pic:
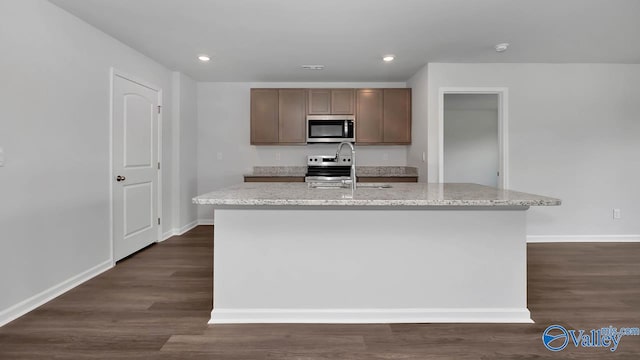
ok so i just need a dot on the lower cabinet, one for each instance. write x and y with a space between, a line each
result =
274 178
382 179
363 179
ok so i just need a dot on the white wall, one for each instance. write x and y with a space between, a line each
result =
54 128
471 139
223 129
185 133
419 115
573 134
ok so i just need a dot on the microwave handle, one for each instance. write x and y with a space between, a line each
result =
346 129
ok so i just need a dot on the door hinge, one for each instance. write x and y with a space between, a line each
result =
158 221
159 108
158 165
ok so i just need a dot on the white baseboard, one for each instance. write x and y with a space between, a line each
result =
581 238
369 316
180 231
187 227
168 234
33 302
205 222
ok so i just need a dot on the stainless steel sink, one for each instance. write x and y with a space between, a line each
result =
374 186
338 185
328 185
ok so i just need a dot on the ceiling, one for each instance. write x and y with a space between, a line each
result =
269 40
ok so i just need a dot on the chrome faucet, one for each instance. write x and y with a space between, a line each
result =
353 162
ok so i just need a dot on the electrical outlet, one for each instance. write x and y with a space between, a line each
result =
385 156
1 157
424 156
219 156
278 156
616 214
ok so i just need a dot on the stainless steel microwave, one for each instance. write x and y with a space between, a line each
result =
330 128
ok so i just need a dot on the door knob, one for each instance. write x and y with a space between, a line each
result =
120 178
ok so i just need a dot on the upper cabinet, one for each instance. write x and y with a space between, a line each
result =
369 121
397 116
264 116
383 116
292 116
331 101
278 116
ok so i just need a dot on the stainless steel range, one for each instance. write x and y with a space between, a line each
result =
328 168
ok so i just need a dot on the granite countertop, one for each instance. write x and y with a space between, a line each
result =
398 195
364 171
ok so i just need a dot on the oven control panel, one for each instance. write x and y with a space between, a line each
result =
328 160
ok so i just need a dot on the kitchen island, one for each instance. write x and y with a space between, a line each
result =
414 252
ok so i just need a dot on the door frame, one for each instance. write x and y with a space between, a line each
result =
503 128
113 73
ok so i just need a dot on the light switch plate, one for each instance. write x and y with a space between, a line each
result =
1 157
616 214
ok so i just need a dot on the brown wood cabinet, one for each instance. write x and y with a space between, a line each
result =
397 116
369 117
387 179
363 179
331 101
264 116
273 178
292 116
343 101
383 116
319 101
278 116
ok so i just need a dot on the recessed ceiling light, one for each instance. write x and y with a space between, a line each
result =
204 58
388 58
502 47
313 67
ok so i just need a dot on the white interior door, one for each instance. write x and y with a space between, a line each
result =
135 166
471 139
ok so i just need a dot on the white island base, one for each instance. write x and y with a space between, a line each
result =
382 265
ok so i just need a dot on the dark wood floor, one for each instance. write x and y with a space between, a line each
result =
155 305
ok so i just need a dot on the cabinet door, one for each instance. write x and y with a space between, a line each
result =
319 101
397 116
292 116
369 116
342 101
264 116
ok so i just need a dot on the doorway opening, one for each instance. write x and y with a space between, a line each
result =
473 137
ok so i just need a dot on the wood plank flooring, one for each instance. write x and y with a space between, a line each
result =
156 304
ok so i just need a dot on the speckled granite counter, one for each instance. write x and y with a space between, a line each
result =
400 194
362 171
